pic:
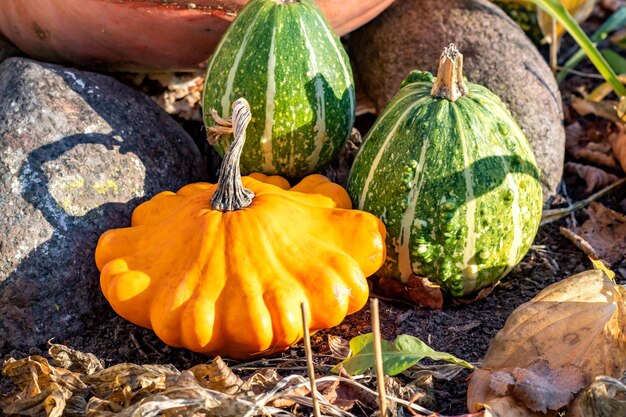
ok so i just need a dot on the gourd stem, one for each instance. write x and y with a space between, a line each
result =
230 194
449 83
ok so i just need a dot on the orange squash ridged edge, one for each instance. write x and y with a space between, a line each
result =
223 268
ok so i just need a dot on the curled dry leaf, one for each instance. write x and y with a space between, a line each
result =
218 376
183 95
618 143
594 177
509 407
127 382
576 328
185 397
605 109
417 290
580 146
605 232
339 347
418 392
44 389
605 397
529 385
65 357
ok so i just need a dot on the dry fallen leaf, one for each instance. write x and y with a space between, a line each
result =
183 96
594 177
605 109
578 323
218 376
605 397
618 143
127 382
339 347
184 397
580 146
44 389
418 291
130 390
84 363
509 407
533 382
605 232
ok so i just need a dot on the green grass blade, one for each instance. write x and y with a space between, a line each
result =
558 12
616 21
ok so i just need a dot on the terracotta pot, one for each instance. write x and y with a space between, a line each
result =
142 34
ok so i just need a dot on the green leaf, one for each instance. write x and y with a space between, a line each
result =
616 21
615 60
398 356
561 15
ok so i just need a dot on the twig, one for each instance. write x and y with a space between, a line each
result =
552 215
581 73
309 360
406 403
378 354
580 243
137 346
554 46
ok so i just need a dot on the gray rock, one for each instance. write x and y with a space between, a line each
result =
78 152
411 34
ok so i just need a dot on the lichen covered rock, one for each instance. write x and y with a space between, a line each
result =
78 152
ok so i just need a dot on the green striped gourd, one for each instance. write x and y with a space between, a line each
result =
453 178
285 59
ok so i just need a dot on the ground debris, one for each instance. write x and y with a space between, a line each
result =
552 347
602 236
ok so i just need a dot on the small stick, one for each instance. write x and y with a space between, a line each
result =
378 354
554 47
309 361
579 242
549 216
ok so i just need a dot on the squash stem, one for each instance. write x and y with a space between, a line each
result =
230 194
449 83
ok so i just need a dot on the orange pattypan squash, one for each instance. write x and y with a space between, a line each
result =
223 269
312 184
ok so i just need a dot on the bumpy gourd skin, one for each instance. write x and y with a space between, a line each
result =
231 283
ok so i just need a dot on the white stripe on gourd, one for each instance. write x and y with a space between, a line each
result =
320 122
383 148
270 107
408 219
230 81
470 268
347 74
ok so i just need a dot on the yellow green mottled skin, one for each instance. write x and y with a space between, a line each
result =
291 67
455 183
